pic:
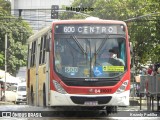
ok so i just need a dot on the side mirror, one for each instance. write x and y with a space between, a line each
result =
131 52
131 47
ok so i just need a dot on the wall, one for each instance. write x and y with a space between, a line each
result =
36 12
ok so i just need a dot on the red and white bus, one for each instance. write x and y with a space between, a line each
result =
80 63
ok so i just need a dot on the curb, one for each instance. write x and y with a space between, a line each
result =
6 103
134 103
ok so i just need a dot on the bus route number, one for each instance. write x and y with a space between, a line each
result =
69 29
71 69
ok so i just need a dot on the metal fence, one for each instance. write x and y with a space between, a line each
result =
150 84
0 93
158 84
143 84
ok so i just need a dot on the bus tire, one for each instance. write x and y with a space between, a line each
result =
111 109
32 96
44 95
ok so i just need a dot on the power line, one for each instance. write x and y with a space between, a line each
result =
139 17
27 16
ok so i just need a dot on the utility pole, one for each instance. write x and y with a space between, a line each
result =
5 64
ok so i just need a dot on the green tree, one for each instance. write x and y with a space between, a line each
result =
5 5
18 32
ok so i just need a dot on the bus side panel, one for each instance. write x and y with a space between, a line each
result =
28 86
42 78
32 85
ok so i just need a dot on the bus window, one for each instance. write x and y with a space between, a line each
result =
33 53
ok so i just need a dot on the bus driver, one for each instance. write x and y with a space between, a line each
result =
111 51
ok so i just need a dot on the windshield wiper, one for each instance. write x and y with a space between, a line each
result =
79 45
102 44
94 59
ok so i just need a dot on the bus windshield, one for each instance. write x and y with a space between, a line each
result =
96 56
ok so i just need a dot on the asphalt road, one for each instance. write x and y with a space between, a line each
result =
26 112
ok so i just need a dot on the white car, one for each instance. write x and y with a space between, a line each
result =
21 93
10 93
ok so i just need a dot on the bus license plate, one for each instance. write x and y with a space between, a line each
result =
91 103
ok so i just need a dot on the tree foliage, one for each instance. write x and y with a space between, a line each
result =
144 29
17 32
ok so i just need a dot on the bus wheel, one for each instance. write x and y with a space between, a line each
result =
111 109
32 96
44 95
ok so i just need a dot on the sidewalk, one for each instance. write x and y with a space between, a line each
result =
6 103
134 101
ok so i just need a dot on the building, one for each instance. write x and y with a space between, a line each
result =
36 12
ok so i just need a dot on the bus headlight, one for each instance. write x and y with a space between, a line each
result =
122 87
59 87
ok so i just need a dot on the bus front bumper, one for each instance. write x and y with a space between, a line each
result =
58 99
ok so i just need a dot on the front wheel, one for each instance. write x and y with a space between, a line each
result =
32 96
17 103
44 95
111 109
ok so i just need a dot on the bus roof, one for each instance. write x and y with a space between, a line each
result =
88 20
41 32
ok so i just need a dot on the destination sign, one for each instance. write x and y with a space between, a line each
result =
89 29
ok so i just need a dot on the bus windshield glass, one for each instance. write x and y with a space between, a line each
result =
99 55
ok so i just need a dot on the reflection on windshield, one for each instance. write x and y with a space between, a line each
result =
90 57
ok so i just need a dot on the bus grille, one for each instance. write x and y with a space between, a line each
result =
81 100
88 83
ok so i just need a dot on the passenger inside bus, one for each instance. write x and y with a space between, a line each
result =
115 55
